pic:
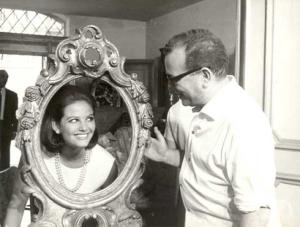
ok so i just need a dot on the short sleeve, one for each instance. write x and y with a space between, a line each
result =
169 131
250 165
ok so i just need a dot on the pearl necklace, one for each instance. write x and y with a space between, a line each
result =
81 176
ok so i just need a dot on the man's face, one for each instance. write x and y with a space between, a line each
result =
189 88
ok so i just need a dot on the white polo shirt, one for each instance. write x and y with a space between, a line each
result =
229 158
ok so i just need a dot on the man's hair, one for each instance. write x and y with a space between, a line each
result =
3 75
65 96
202 48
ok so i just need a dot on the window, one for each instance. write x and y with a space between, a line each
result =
27 37
30 22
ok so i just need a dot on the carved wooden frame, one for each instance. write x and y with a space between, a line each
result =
110 206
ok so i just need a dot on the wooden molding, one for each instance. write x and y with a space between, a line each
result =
13 43
288 178
281 143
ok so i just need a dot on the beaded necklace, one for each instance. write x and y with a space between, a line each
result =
81 175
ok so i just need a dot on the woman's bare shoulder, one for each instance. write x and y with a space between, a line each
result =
100 153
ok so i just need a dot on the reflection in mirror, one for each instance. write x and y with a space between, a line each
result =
69 140
113 121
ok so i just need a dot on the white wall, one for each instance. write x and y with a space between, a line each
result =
128 36
254 49
219 16
272 76
271 72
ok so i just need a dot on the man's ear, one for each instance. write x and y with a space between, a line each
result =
55 127
207 73
207 76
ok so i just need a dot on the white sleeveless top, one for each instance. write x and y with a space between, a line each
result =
98 169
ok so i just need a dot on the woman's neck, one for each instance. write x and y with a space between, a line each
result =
72 157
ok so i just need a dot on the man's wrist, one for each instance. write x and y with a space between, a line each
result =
171 157
164 155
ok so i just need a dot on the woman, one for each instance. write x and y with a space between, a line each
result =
71 155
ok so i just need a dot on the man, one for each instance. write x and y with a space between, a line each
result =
8 121
227 173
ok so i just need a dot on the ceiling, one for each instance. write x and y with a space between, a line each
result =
142 10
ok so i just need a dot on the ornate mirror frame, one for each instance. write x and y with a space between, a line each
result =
87 54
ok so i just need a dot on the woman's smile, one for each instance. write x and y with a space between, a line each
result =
82 135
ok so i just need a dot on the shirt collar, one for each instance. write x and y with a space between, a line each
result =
216 107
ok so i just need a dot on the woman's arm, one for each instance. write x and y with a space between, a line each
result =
15 212
17 203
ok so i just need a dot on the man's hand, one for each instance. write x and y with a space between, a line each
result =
158 150
158 147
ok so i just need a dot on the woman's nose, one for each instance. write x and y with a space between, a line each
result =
83 126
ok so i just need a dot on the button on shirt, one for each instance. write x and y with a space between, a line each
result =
229 159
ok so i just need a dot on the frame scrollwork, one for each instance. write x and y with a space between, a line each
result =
88 54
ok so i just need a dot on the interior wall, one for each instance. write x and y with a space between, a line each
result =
219 16
272 76
254 61
128 36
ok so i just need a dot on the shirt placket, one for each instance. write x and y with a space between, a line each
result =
194 130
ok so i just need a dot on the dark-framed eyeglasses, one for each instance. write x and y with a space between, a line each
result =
175 79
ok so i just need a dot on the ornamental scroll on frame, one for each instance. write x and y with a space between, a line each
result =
88 54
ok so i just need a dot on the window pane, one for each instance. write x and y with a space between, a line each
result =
29 22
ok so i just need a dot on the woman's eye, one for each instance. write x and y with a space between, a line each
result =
91 118
73 120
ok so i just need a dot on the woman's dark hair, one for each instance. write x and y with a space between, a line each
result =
65 96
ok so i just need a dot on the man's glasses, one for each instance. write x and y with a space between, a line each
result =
175 79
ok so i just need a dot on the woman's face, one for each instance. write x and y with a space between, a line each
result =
77 126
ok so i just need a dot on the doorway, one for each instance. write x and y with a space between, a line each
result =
23 71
